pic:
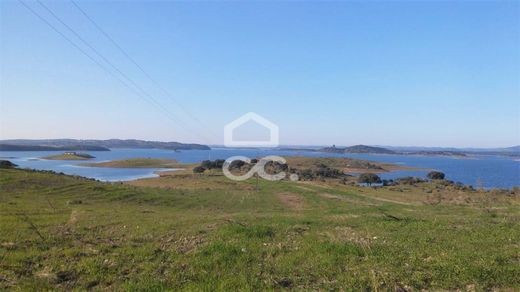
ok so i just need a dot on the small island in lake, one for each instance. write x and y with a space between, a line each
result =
137 163
69 156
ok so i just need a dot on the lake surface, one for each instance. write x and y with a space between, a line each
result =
485 171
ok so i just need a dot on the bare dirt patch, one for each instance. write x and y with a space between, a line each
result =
73 218
292 201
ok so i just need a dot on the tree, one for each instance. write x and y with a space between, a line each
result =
209 164
409 180
219 163
369 178
305 174
435 175
236 164
199 169
206 164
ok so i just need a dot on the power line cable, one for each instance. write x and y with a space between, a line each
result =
142 94
132 60
125 76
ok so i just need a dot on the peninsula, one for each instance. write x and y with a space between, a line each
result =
69 156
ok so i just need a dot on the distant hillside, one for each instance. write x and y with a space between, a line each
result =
94 145
368 149
357 149
17 147
513 149
451 149
381 150
437 153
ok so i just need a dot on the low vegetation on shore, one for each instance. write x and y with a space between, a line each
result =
347 165
197 231
307 168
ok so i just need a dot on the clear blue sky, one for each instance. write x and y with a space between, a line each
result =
424 73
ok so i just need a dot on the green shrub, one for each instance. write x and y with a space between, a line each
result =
369 178
435 175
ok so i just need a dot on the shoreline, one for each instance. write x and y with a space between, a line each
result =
413 166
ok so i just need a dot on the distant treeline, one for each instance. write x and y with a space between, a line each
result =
10 147
364 149
357 149
92 145
510 151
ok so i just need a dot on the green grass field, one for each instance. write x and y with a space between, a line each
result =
61 232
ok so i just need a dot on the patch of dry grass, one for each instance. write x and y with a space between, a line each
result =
292 201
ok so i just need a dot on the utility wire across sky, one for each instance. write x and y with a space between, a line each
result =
136 89
132 60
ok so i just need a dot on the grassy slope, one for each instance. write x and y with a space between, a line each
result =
223 235
138 163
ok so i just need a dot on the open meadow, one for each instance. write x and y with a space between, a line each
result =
202 231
